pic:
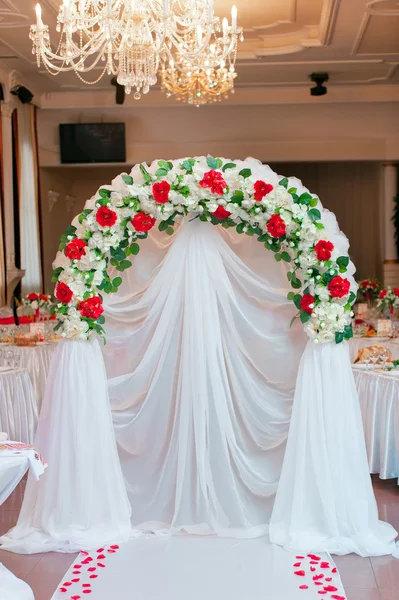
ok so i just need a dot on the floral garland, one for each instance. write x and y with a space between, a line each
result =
388 299
36 301
109 230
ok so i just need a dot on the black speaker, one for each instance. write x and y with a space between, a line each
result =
24 95
120 91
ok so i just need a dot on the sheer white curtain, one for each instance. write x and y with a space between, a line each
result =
202 365
28 200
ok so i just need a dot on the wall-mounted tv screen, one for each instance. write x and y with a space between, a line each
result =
93 143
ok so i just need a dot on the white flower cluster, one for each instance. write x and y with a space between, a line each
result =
117 218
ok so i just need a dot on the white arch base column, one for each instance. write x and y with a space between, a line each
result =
80 503
325 501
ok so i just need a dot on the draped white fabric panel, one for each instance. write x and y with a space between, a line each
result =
28 201
202 366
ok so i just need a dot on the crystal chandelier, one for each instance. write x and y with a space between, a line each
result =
124 38
206 76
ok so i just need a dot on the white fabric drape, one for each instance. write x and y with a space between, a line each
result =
28 201
379 403
81 501
202 364
325 500
18 405
12 588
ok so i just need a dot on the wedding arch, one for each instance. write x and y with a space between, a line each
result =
116 220
322 498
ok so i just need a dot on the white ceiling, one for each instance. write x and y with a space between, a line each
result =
355 41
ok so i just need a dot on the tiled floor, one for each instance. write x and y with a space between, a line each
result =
363 578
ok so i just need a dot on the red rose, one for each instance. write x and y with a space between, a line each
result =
262 189
106 217
142 222
215 182
43 297
75 249
32 297
396 291
221 213
323 250
160 191
339 287
383 293
91 308
306 301
63 293
276 226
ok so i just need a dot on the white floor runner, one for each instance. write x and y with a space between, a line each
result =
200 568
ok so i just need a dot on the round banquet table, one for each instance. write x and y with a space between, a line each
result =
379 402
36 359
362 342
18 405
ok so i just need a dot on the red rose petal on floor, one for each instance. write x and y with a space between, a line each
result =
298 564
335 597
115 547
314 557
91 569
101 556
313 569
75 580
75 597
93 576
321 592
101 565
63 590
324 565
313 562
300 557
77 566
316 577
100 550
84 553
299 573
86 584
328 578
303 587
67 584
330 588
318 583
334 570
75 572
111 551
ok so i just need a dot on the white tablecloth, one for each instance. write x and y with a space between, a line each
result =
15 459
37 360
361 342
18 405
379 403
12 588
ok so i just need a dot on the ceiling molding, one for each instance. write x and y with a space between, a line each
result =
376 7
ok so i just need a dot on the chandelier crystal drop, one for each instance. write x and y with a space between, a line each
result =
124 38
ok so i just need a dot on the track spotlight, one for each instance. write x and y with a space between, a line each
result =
318 79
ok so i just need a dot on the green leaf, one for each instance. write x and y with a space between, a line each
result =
343 261
240 227
163 225
170 231
292 190
305 198
293 320
277 256
167 166
114 262
84 214
314 202
339 337
188 164
296 283
228 166
289 275
284 182
117 281
134 249
245 173
101 320
56 273
128 179
161 172
290 295
145 173
297 300
314 214
184 191
348 332
125 264
305 316
212 162
285 257
319 225
352 297
238 197
263 238
104 193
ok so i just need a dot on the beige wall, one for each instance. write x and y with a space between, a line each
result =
306 132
